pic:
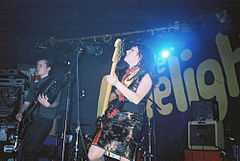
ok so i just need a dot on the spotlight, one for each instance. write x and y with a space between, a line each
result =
161 59
165 54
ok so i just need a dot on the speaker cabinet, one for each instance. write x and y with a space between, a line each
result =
204 110
205 135
199 155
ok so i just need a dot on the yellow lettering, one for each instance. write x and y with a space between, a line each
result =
177 83
229 59
189 77
159 95
191 86
217 88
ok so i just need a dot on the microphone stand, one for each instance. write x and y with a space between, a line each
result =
66 121
149 154
78 128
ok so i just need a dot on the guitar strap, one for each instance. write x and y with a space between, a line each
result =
129 77
40 86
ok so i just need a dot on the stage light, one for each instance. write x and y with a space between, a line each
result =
165 54
161 58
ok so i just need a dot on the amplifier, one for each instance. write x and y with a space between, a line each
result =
204 110
205 135
199 155
8 137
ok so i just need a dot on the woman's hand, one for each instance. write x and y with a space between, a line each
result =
43 99
112 79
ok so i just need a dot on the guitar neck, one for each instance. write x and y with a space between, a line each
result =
113 68
106 88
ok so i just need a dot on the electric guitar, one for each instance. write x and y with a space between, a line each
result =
105 89
51 89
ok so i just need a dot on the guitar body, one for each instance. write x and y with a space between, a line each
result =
105 88
26 121
48 89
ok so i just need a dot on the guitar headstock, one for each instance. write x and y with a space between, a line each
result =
118 43
117 52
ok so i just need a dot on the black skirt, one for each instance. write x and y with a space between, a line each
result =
120 133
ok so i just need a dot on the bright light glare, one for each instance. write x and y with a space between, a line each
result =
165 54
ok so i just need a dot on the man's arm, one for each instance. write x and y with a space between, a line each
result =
23 107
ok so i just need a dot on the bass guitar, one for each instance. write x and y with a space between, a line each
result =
105 89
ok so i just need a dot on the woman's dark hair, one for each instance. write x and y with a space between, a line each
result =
147 60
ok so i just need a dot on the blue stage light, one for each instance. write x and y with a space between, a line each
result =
165 54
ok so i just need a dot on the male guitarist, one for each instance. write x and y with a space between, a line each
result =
41 118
